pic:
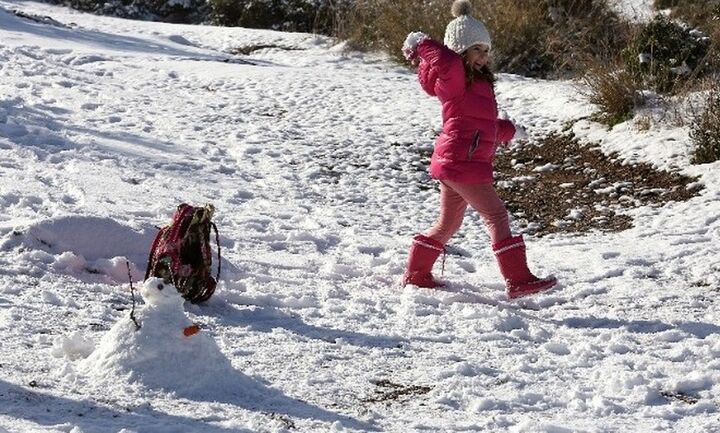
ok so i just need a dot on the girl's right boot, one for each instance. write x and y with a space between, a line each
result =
423 254
511 258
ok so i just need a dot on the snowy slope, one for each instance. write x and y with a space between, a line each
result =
314 159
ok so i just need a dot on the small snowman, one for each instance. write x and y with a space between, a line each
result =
167 351
164 307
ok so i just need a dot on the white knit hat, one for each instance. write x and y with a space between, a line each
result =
465 31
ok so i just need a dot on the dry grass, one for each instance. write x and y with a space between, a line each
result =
705 129
703 15
518 30
530 37
584 32
383 25
615 92
697 13
643 123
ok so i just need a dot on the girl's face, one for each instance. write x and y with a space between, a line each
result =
477 56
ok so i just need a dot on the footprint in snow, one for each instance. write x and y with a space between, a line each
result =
240 196
466 265
180 40
91 106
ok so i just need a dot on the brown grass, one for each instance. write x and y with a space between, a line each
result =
703 15
615 92
530 37
518 29
383 25
705 129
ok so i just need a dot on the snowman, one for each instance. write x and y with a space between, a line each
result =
168 351
164 307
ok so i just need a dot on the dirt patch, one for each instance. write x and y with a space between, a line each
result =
40 19
680 396
388 391
247 50
559 185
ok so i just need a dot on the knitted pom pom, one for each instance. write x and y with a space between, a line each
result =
461 7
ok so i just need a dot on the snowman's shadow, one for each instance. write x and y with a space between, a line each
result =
235 388
42 407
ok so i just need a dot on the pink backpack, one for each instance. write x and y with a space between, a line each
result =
181 254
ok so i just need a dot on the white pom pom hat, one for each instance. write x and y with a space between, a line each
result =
465 31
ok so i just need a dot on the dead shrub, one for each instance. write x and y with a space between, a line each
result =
705 130
697 13
383 25
546 38
614 91
665 55
700 16
518 29
583 32
287 15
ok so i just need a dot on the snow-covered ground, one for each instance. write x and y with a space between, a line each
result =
313 159
636 10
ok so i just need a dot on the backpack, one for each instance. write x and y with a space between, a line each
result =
180 253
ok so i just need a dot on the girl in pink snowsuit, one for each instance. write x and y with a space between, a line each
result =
458 74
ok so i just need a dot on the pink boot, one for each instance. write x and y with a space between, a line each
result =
423 254
520 281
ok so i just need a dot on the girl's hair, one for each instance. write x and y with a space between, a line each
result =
484 74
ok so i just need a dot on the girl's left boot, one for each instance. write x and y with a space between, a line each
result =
423 254
511 258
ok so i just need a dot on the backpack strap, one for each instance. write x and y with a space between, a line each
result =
211 283
217 242
182 211
153 249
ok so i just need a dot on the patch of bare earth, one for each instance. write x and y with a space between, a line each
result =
558 184
388 391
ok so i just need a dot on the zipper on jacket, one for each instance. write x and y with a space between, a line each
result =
474 145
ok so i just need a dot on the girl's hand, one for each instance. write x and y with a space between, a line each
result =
409 48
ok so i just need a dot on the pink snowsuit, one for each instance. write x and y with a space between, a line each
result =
463 162
465 149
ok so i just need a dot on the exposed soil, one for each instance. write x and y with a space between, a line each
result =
247 50
679 396
557 184
388 391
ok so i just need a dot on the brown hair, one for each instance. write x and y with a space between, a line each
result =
484 74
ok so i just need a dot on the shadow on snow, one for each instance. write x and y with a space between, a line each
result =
45 409
698 329
267 318
49 410
102 41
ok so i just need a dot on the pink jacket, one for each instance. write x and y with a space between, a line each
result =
465 149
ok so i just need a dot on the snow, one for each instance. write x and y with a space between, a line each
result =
636 10
313 159
148 355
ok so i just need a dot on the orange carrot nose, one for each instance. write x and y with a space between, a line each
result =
191 330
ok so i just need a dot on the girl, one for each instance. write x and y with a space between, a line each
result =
458 74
